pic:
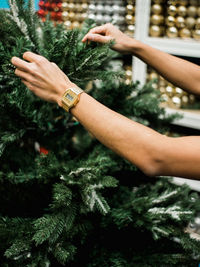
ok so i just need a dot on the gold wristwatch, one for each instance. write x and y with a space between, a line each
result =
71 97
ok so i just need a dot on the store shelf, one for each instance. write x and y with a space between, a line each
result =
190 118
176 46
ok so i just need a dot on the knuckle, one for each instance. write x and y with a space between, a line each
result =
41 60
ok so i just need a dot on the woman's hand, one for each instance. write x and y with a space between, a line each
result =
107 33
42 77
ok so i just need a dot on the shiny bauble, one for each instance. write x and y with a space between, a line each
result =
99 18
130 9
108 9
158 1
176 101
71 16
71 6
116 9
78 8
169 90
191 99
59 16
196 34
68 24
100 9
172 32
130 19
172 10
107 18
173 2
157 19
65 6
84 16
75 24
92 8
184 100
42 4
129 74
197 25
156 9
182 11
190 22
198 11
180 22
192 11
41 13
162 89
194 2
178 91
170 21
78 17
65 15
53 15
155 31
84 7
185 33
153 76
122 10
183 2
91 16
131 28
47 6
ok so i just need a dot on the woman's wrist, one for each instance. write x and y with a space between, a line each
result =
135 47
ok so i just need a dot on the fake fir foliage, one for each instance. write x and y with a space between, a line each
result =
65 199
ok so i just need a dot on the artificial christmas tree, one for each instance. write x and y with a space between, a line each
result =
65 198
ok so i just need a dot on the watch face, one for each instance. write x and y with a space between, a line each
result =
69 97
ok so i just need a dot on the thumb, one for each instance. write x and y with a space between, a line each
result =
96 38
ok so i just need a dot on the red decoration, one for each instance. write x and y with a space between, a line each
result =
41 13
41 4
59 15
47 6
44 151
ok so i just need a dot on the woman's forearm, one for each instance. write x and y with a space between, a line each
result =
154 153
181 73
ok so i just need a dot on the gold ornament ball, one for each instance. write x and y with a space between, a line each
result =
153 75
157 19
162 89
68 24
173 2
194 2
84 16
198 11
71 6
180 22
191 99
131 28
65 15
176 101
170 21
130 9
155 31
185 100
84 7
172 10
190 22
169 90
183 2
178 91
165 98
75 24
157 9
162 82
71 16
158 1
182 11
129 74
78 8
197 25
78 17
65 6
172 32
192 11
185 33
130 19
196 34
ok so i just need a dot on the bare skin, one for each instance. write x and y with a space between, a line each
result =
154 153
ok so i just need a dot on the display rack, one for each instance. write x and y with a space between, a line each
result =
176 46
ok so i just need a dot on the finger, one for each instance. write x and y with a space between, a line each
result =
20 64
32 57
28 85
100 29
24 75
97 38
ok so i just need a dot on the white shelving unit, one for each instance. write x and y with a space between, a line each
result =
177 46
